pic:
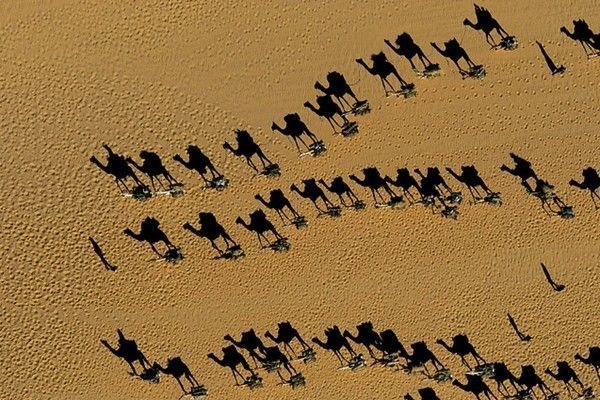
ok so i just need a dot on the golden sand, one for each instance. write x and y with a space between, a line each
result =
159 75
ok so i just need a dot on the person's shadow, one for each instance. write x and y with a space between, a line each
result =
555 286
523 337
101 256
554 69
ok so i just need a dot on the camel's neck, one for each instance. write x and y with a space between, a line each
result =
136 236
472 25
217 360
445 345
100 165
461 385
322 345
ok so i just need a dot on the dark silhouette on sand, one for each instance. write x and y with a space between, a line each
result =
152 166
211 230
128 350
530 379
383 68
462 347
341 188
260 225
151 233
592 359
250 342
279 202
313 193
551 66
295 129
335 341
101 256
582 33
591 182
117 166
339 88
486 23
555 286
454 52
475 385
286 333
566 374
406 47
199 162
231 359
248 148
522 170
177 369
523 337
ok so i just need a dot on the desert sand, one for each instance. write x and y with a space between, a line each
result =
160 75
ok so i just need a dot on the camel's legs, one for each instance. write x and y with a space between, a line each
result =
292 209
234 372
214 245
302 342
594 195
289 350
227 239
251 163
465 363
342 201
277 235
462 71
412 64
385 88
397 75
340 357
192 379
422 56
181 385
331 123
132 368
122 182
204 177
262 157
154 249
490 40
302 141
468 60
281 215
317 207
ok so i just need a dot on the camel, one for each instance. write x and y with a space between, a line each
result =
475 385
328 109
341 188
151 233
530 380
435 179
211 230
153 167
366 336
565 374
462 347
405 181
470 178
429 192
374 181
128 350
335 342
486 23
295 128
592 359
545 192
454 52
427 394
198 162
274 357
584 35
501 375
177 368
313 192
285 334
250 342
409 49
117 166
260 224
278 202
231 359
383 68
338 87
591 182
390 345
522 170
421 355
248 148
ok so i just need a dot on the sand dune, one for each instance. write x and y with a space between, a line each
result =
162 75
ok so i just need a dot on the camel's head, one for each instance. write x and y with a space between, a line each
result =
466 21
229 350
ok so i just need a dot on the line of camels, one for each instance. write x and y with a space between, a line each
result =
428 188
384 349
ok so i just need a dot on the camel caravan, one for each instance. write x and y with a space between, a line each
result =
338 104
287 352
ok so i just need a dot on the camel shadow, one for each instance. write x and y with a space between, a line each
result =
470 177
340 188
232 359
328 109
406 47
462 347
128 350
454 52
178 369
487 24
566 375
313 193
286 334
593 359
590 182
582 33
117 167
365 336
335 342
151 233
375 183
278 202
212 230
260 225
383 68
296 129
248 149
338 87
199 162
153 167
